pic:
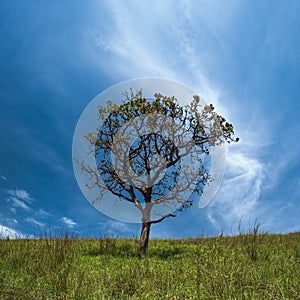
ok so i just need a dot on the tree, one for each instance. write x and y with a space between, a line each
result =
140 147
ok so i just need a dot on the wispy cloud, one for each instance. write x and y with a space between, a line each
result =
18 203
137 53
13 210
190 45
32 220
19 199
167 43
158 49
239 194
20 194
3 177
119 229
8 221
116 226
42 213
69 222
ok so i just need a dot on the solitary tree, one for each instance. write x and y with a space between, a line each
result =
151 153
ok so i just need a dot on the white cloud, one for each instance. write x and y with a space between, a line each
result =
20 194
155 53
212 220
163 40
11 221
116 228
69 222
18 203
13 210
41 212
3 177
6 232
32 220
134 50
19 199
119 226
178 41
240 191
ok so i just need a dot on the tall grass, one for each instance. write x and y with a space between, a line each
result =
246 266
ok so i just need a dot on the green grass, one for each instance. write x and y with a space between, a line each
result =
247 266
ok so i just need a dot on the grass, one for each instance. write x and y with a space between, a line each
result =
246 266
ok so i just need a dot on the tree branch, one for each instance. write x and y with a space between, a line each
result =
162 218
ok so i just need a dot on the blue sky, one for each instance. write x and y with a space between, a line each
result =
56 56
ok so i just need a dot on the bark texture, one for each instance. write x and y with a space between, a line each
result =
144 238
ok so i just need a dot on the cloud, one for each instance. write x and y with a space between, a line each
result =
257 186
119 226
19 199
3 177
112 227
18 203
20 194
200 48
133 52
240 191
152 50
41 212
13 210
69 222
32 220
212 220
6 232
167 42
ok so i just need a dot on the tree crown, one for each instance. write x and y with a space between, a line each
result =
142 145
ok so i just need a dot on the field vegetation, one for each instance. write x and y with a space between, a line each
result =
247 266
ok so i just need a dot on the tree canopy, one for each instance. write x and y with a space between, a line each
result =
151 153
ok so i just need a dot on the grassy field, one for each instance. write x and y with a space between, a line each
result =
247 266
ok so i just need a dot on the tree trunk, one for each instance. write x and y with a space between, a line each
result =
144 238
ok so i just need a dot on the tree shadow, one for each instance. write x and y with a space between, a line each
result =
165 253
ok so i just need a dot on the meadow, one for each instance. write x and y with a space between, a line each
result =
247 266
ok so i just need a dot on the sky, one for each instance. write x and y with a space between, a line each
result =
241 56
